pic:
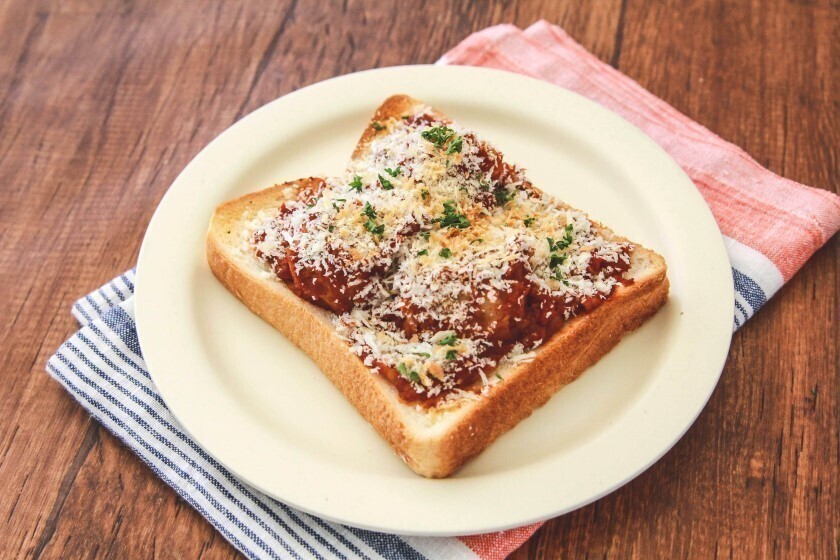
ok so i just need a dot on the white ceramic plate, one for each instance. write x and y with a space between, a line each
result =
265 411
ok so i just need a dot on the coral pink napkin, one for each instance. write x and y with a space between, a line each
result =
771 225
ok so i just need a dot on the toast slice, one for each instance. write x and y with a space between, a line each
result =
438 429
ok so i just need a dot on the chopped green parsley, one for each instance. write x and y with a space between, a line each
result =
503 196
556 260
369 211
411 375
450 340
455 146
438 135
386 184
563 243
451 218
370 224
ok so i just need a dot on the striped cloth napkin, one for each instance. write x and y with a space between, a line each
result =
771 226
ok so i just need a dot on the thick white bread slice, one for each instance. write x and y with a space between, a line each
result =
434 443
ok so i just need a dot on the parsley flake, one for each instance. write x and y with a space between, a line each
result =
393 172
503 196
438 135
563 243
448 340
424 194
556 260
371 226
369 211
451 355
330 229
455 146
423 252
411 375
386 184
378 126
568 238
445 253
451 218
356 184
425 234
529 221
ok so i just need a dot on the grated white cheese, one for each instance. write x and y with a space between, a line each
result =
435 239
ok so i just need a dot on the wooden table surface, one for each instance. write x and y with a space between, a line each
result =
103 103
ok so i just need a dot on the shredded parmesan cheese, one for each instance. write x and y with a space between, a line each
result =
442 252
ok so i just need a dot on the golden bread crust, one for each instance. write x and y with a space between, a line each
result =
392 108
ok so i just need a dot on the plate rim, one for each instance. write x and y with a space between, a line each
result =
144 311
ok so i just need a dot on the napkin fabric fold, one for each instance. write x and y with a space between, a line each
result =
771 226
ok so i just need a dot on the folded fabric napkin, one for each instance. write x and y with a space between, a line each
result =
771 226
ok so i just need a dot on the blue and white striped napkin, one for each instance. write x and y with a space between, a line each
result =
103 368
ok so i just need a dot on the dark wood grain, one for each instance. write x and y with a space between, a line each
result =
103 103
